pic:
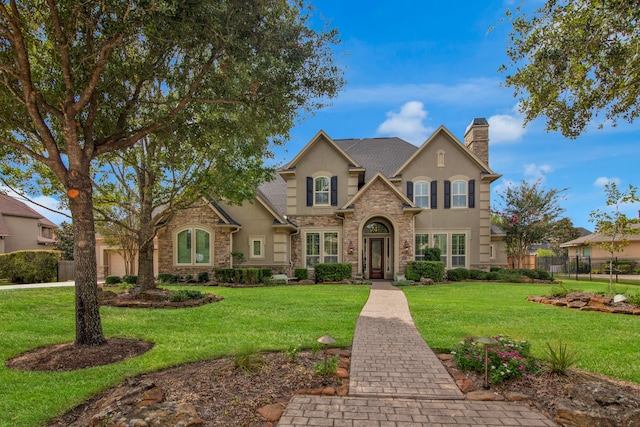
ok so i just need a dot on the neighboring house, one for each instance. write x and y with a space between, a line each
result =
375 203
584 246
110 260
22 228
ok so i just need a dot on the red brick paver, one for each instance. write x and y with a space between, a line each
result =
396 380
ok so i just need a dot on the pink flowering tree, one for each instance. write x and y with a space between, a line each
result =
527 213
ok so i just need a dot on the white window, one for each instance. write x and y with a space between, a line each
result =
256 247
421 194
321 247
458 250
459 194
193 247
422 243
321 188
440 242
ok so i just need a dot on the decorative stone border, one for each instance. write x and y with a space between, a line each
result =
111 299
587 301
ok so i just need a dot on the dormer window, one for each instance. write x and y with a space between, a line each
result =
321 189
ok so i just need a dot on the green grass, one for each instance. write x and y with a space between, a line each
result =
605 343
265 319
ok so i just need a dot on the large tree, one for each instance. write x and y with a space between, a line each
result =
613 225
84 79
527 214
575 60
145 185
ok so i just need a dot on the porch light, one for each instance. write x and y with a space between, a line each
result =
350 247
326 340
406 246
486 341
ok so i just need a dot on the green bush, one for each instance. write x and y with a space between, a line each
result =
112 280
30 266
301 273
476 274
167 278
332 272
183 295
248 276
433 270
130 279
203 277
432 254
458 274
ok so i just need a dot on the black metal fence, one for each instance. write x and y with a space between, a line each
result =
589 268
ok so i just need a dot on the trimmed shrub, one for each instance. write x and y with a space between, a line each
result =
476 274
203 277
130 279
248 276
432 254
301 273
332 272
30 266
112 280
433 270
457 274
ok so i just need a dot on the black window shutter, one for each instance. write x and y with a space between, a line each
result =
434 194
472 193
410 190
309 191
447 194
334 191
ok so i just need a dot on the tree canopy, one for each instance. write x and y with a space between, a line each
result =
576 60
527 214
81 80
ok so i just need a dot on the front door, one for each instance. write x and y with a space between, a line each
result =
376 257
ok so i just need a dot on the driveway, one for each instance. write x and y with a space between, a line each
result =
39 285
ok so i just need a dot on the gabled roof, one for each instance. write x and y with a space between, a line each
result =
408 204
321 135
455 142
10 206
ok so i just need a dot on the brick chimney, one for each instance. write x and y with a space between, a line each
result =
476 139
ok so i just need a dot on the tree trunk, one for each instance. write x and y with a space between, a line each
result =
146 279
88 323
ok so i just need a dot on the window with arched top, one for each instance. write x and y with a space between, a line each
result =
321 190
375 228
459 194
193 247
421 194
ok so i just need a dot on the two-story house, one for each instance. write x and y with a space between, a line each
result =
22 228
375 203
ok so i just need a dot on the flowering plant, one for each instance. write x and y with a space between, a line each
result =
507 359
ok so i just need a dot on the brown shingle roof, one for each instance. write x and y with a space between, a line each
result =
384 155
14 207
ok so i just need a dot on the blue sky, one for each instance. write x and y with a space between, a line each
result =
412 66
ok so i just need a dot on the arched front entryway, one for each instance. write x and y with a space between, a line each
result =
378 248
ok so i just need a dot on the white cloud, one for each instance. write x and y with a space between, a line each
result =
407 124
603 180
505 128
537 172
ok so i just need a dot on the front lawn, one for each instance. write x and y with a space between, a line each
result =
608 344
259 319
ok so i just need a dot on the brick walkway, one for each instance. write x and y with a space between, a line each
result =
396 380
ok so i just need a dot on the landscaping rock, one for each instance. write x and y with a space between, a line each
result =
485 396
271 412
